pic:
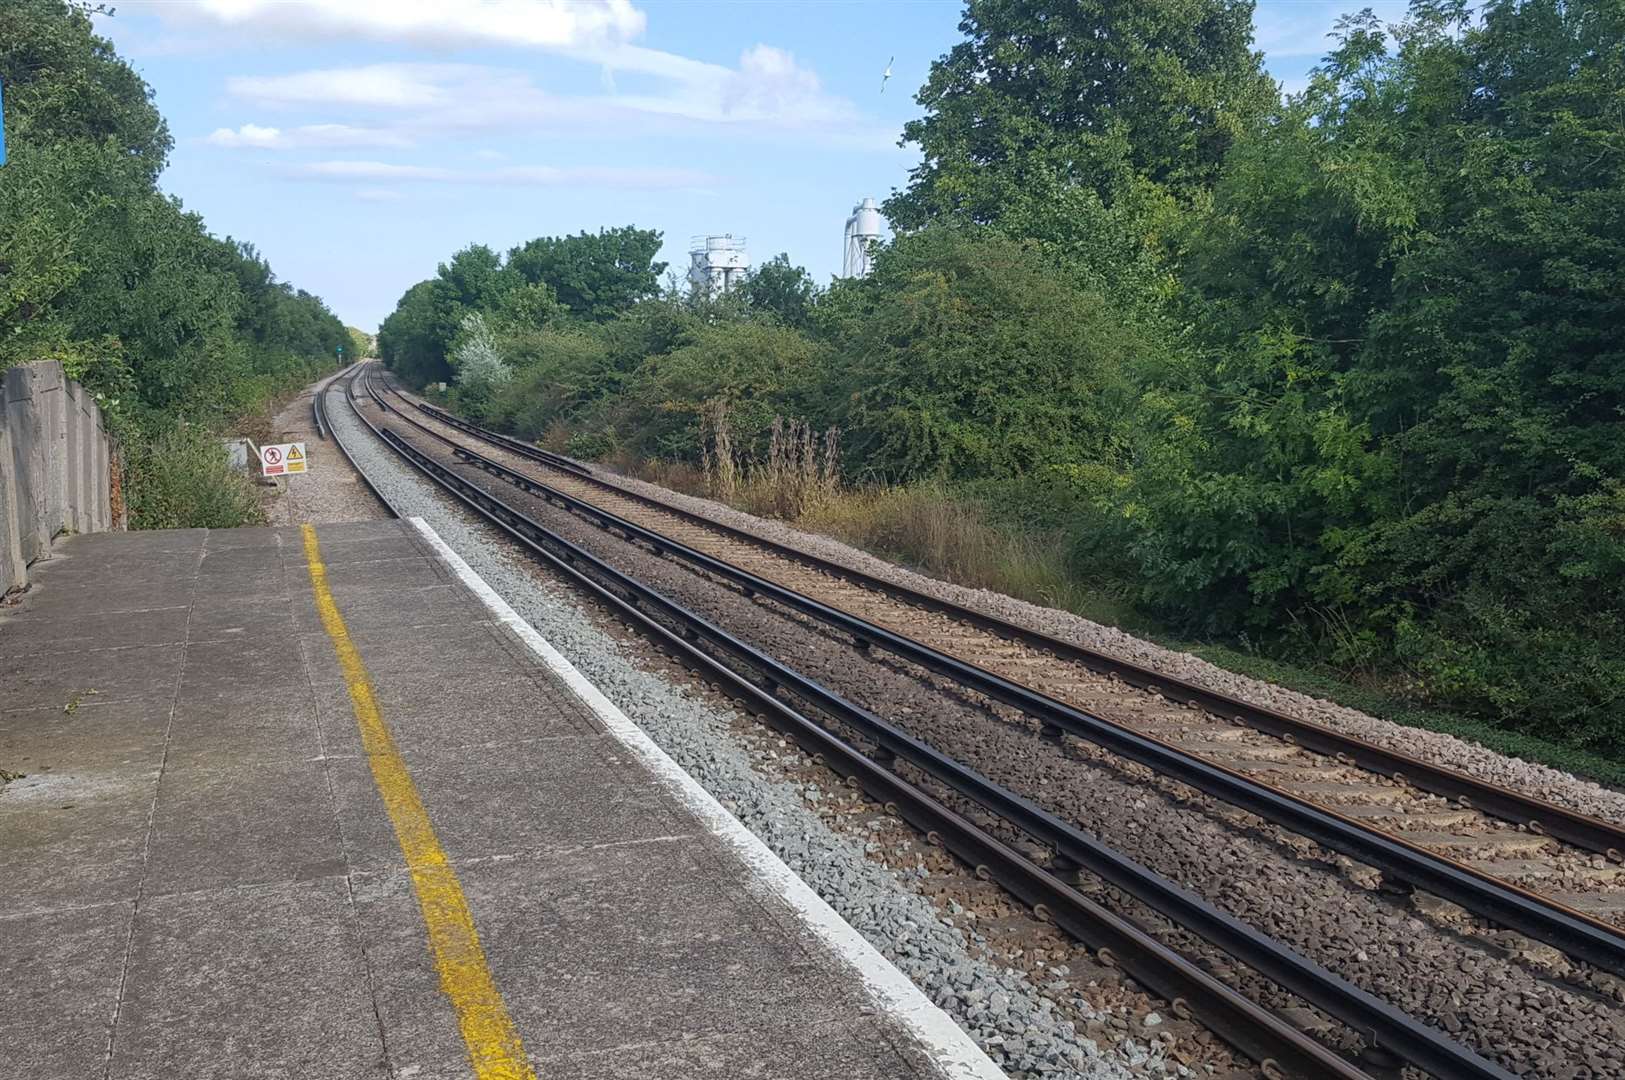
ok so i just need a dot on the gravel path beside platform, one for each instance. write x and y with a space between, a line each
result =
330 491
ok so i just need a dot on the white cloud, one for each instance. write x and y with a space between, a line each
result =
770 83
435 24
769 91
247 135
328 136
519 175
374 170
384 86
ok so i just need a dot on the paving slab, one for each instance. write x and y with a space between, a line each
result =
485 808
255 982
48 597
258 824
43 634
59 978
203 858
275 726
75 836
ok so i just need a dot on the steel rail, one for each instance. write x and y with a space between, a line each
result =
1560 823
1219 1005
321 419
318 409
318 413
1572 932
507 442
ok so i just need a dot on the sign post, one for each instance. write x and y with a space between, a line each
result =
282 459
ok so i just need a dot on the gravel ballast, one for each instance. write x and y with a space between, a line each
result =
1020 1027
1487 993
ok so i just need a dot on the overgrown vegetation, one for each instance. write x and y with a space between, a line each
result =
1335 377
177 332
179 479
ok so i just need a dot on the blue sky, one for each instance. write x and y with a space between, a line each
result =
358 143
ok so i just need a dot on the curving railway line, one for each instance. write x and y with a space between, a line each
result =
1485 832
1494 851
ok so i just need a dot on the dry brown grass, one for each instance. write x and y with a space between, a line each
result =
675 475
930 530
801 469
923 527
801 472
259 424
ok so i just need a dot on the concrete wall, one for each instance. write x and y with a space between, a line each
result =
56 466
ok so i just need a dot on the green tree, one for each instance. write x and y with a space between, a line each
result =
528 307
1045 96
65 85
781 291
1401 421
361 343
417 337
413 339
967 354
84 141
97 267
596 276
753 370
178 330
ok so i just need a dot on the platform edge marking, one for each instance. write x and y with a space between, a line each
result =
494 1047
955 1053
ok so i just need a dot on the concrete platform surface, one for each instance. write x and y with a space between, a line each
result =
210 864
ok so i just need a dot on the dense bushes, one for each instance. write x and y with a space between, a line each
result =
1400 421
968 354
1338 375
180 478
98 268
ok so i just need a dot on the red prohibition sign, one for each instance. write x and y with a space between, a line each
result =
273 455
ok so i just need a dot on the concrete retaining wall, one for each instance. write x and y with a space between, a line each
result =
56 466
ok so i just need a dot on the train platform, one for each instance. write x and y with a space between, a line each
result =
313 802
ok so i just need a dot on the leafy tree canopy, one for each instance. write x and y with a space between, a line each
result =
597 276
781 291
1046 95
1405 407
100 269
969 354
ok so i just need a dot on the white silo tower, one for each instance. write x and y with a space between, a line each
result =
717 263
862 234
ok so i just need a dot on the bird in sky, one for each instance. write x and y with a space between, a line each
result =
886 75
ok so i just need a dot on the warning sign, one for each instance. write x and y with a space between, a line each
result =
282 459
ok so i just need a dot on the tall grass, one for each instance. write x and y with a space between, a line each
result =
922 526
176 474
799 471
934 531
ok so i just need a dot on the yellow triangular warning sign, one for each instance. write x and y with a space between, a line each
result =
294 454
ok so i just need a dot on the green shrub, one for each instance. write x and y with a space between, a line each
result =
180 479
591 445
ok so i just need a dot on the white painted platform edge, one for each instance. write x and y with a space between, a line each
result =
955 1052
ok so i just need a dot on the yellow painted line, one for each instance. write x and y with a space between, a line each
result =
493 1043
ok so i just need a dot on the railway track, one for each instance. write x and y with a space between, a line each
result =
1554 874
764 684
325 430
